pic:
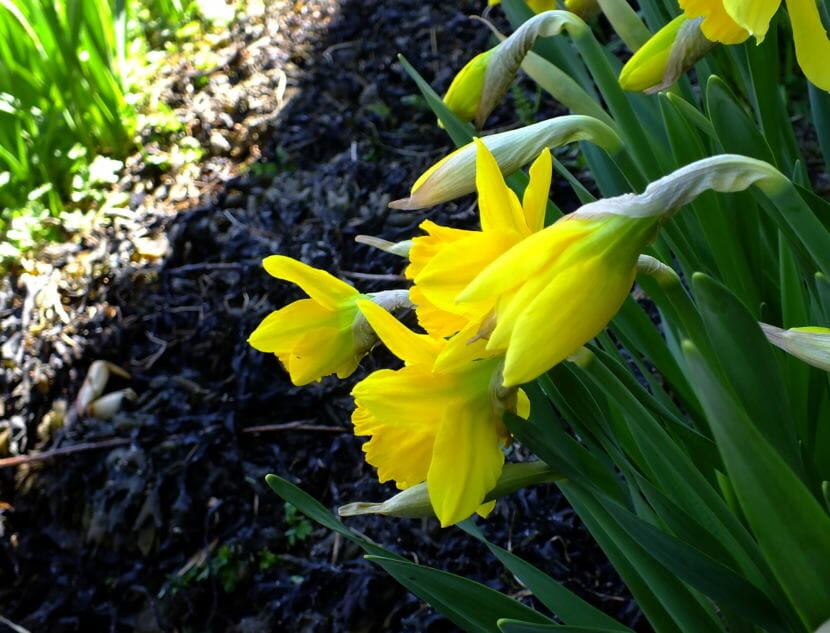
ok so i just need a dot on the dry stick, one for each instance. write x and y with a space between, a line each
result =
300 425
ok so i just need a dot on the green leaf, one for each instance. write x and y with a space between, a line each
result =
735 130
712 578
748 361
792 528
315 511
461 133
471 605
516 626
566 605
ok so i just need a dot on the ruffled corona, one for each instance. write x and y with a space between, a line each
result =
442 427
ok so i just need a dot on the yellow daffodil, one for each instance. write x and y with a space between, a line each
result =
442 427
446 260
557 289
325 334
732 21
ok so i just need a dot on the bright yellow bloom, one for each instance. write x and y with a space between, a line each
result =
442 427
446 260
538 6
557 289
318 336
732 21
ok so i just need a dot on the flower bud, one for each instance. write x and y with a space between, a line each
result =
414 503
455 175
666 56
810 344
464 94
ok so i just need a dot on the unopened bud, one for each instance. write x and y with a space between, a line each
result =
666 56
810 344
455 175
414 503
464 94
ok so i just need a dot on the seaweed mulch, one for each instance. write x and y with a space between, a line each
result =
152 513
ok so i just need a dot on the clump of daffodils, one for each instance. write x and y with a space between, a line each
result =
498 307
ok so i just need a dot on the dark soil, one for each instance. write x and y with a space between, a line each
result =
310 127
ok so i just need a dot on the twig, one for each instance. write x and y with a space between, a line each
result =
299 425
8 462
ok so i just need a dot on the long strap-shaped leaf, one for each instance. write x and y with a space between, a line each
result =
472 606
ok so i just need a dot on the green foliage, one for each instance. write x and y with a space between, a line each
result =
299 528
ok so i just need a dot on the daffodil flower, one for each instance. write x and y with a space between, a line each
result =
558 289
324 334
442 427
733 21
446 260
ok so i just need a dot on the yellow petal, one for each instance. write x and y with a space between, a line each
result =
425 247
411 397
280 331
575 307
522 404
434 320
410 347
466 461
754 15
524 259
322 351
812 48
486 508
324 288
399 454
498 205
461 350
535 199
717 25
457 264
